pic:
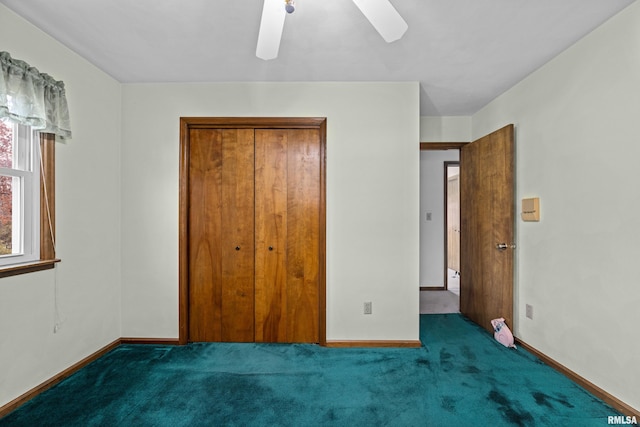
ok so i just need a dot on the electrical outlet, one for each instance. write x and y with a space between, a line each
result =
529 309
367 307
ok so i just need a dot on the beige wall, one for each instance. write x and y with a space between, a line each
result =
577 143
88 227
372 197
445 129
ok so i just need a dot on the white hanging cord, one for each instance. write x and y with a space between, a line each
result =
57 321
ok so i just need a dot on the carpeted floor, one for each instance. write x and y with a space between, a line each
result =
461 376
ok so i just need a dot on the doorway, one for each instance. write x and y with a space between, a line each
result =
438 229
487 224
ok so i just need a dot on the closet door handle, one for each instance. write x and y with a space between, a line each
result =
237 248
270 248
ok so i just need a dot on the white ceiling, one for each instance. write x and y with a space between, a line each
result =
464 53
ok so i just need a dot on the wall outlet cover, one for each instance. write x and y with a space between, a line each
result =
367 307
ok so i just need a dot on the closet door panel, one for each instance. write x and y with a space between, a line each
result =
237 241
221 226
205 228
303 219
271 235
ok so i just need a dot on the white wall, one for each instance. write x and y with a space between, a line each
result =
432 200
445 129
88 227
372 197
578 140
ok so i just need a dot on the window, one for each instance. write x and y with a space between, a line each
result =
26 238
19 195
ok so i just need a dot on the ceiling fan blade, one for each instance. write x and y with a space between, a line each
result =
271 26
384 18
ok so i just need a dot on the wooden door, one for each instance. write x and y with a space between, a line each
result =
487 220
221 235
287 235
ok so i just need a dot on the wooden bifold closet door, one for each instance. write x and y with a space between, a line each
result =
254 234
286 235
221 221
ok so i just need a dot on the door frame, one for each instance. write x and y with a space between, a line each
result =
188 123
441 146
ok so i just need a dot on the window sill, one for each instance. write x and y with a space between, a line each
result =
29 267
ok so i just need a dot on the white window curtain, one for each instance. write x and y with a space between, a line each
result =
32 98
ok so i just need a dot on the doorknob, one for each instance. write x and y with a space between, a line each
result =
504 246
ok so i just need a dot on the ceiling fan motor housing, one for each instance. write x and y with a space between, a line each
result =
289 6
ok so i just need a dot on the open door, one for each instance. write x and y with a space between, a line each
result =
487 228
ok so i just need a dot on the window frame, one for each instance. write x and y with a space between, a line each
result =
47 258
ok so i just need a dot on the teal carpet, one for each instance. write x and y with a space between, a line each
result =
460 377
